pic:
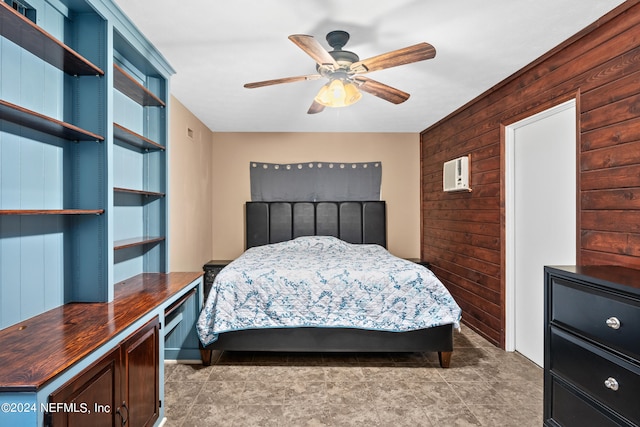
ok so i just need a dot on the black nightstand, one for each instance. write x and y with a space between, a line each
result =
211 270
419 261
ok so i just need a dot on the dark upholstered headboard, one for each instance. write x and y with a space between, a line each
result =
353 222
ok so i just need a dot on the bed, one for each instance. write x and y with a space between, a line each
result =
316 277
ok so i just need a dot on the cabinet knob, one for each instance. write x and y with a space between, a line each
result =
611 384
613 323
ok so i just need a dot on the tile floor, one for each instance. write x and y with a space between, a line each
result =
485 386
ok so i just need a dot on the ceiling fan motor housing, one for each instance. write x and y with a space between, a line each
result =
337 39
344 57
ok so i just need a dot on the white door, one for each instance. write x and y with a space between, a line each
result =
540 218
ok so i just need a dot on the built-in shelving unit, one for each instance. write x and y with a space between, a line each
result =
84 172
54 161
83 215
34 39
140 153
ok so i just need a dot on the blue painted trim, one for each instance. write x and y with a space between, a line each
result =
23 409
181 341
172 324
182 354
133 35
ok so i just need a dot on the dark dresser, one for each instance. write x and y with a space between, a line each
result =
592 346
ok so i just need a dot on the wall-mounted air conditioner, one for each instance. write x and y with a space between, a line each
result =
455 175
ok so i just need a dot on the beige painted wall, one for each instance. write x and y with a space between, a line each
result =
190 183
209 183
233 152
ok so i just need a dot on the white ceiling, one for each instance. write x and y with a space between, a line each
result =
216 46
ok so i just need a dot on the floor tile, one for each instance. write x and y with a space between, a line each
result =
484 386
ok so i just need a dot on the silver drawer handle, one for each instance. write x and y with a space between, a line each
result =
613 323
611 384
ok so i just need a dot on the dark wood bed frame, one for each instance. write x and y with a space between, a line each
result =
355 222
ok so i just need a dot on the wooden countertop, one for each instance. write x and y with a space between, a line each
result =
38 349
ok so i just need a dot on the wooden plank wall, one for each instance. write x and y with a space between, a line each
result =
463 233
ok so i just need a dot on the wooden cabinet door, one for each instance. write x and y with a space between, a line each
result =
141 375
91 398
122 388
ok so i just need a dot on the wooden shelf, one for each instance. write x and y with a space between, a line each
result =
140 192
133 139
136 241
134 90
40 122
52 212
29 36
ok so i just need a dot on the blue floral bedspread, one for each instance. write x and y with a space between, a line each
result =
321 281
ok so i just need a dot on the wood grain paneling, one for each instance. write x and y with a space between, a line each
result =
463 233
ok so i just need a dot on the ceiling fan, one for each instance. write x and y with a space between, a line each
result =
345 71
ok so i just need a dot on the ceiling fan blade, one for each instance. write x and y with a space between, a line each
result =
407 55
315 108
282 80
381 90
314 49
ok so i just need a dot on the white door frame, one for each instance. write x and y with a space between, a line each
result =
510 297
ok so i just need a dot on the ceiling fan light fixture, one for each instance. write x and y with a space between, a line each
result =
338 93
343 68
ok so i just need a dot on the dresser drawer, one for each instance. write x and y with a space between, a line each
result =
587 310
570 408
590 368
